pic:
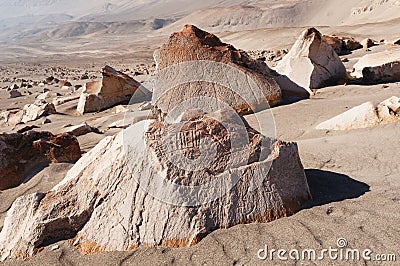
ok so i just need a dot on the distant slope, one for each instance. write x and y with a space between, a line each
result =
291 13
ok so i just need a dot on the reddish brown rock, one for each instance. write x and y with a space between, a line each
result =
342 45
196 46
19 153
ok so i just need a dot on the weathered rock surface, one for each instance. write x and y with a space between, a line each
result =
30 112
37 110
200 48
115 88
342 45
102 206
379 67
365 115
271 56
80 130
311 64
19 153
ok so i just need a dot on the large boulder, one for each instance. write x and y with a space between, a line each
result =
311 64
365 115
129 192
19 153
379 67
115 88
187 60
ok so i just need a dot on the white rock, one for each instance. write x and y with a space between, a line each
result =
365 115
145 106
80 130
361 116
44 96
311 64
115 88
379 67
389 110
32 112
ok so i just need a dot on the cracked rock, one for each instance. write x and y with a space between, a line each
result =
19 153
114 200
115 88
379 67
198 50
311 64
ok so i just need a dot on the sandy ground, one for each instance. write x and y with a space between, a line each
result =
353 175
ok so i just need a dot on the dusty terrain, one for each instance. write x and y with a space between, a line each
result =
353 175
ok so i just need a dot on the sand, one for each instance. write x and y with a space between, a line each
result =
353 175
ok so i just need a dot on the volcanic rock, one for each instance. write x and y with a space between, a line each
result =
342 45
311 63
379 67
187 68
121 195
21 152
115 88
350 44
15 94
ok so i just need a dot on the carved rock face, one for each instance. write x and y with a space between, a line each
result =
113 198
194 46
21 152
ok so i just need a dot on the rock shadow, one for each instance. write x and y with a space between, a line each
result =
328 187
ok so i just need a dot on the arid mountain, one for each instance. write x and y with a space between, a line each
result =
28 27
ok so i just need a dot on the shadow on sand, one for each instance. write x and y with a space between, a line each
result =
327 187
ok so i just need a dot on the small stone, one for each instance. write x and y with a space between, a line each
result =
46 121
14 87
367 43
15 94
145 106
53 248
